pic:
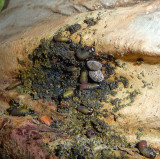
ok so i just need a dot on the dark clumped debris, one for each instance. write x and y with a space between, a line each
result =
116 101
21 62
117 63
56 123
59 72
111 57
118 104
90 21
73 28
125 81
109 69
140 61
113 85
90 133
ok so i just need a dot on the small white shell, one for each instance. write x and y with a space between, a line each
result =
94 65
96 76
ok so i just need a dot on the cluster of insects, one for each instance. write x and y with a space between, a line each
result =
78 80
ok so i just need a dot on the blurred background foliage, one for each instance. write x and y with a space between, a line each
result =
1 4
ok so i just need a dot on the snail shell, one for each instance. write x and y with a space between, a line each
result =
96 76
146 151
94 65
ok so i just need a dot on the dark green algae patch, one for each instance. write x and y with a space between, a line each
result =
56 70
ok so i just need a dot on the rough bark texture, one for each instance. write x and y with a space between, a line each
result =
130 33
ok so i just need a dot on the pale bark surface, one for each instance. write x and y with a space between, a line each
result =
129 32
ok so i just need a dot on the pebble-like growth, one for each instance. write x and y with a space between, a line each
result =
96 76
94 65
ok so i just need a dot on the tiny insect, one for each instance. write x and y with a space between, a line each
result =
84 110
84 77
59 38
89 86
71 68
68 94
20 111
90 133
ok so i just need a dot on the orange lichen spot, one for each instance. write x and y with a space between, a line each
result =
46 120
